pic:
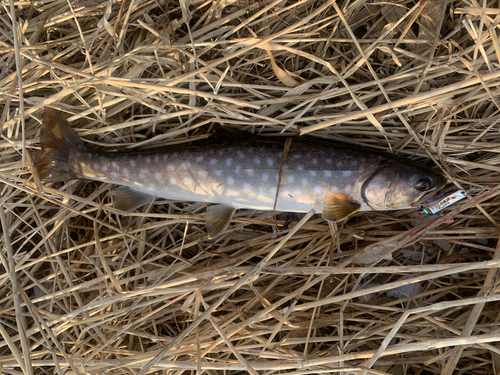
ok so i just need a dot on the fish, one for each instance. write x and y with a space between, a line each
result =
244 172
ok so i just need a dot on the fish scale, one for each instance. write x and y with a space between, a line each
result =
244 173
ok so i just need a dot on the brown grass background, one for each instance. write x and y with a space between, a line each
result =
86 290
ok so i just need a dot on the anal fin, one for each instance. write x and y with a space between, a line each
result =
127 199
336 208
217 219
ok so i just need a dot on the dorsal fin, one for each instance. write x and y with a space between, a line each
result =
225 132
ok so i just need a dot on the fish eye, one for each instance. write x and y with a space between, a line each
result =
424 184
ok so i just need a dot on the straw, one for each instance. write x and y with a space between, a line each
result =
86 289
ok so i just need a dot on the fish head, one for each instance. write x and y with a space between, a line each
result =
400 184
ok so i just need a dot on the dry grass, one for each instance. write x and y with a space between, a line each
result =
84 290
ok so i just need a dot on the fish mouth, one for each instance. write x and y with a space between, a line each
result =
428 198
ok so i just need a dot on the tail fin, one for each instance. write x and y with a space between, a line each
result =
58 140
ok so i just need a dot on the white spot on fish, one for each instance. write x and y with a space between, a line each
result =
142 175
125 172
171 167
132 162
165 157
173 180
199 159
270 161
158 176
296 156
265 177
157 158
186 181
354 163
247 186
339 164
312 173
250 172
230 180
346 173
315 161
327 174
237 169
114 165
300 167
304 182
114 174
203 174
104 168
217 173
240 154
317 190
329 161
256 161
148 159
229 161
291 179
213 161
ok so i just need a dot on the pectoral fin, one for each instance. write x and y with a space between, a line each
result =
217 219
336 208
126 199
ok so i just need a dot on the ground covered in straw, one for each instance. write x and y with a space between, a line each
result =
85 290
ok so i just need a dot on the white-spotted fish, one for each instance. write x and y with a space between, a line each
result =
334 180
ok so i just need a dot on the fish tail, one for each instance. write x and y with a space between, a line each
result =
59 142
